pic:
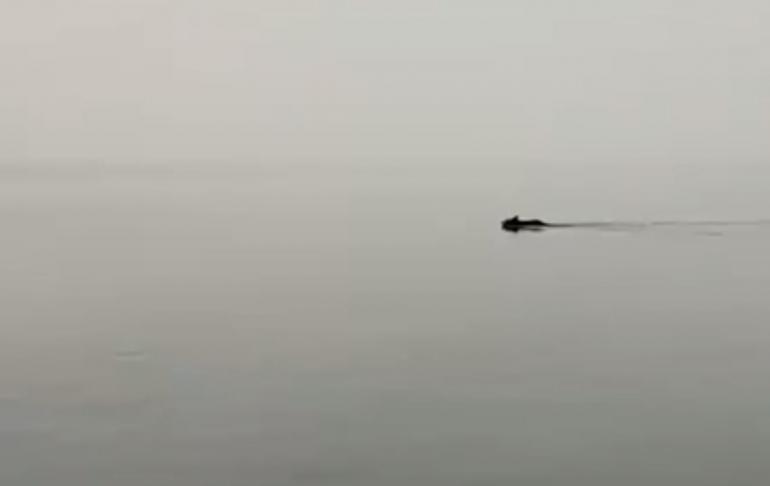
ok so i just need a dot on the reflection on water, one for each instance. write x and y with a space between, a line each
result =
338 329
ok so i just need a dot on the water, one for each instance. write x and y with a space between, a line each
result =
371 326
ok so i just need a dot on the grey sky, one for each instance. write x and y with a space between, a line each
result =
554 80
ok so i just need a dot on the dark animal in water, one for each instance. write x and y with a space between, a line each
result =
515 224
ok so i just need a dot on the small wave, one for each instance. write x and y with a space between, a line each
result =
645 225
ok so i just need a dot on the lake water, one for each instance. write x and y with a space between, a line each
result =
371 325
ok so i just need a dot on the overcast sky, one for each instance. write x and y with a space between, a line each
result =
559 80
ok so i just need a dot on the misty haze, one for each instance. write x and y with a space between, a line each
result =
260 243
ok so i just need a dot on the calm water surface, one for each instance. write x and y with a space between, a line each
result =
287 328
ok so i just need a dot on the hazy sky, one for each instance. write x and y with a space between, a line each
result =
561 80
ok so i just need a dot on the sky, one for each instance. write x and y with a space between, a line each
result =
621 81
